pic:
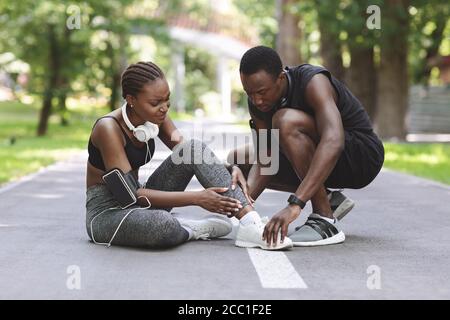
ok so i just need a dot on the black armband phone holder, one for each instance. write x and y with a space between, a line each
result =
123 186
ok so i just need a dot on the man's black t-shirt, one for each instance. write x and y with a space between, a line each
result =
353 115
363 155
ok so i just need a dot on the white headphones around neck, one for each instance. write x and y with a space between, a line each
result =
143 132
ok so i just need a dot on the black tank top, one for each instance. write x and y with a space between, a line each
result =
354 117
136 156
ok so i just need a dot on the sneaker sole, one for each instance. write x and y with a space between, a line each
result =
338 238
245 244
345 207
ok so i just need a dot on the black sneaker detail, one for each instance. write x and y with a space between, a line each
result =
328 228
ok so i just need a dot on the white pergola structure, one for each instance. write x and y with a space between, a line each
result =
223 47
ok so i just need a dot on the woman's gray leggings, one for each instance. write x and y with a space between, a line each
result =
157 228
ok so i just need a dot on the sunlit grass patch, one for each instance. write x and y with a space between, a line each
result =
429 160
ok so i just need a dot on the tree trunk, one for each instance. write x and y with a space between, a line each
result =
53 76
63 80
64 119
113 76
115 83
45 112
362 78
330 45
330 51
289 34
393 84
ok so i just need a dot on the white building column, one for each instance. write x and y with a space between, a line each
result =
179 75
224 84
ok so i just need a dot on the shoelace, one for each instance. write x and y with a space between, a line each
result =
204 236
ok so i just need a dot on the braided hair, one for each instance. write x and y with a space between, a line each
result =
137 75
261 58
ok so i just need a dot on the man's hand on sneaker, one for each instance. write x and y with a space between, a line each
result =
237 178
211 200
281 220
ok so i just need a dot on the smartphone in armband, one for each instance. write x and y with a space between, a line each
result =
122 186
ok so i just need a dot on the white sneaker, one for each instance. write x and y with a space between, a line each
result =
209 228
250 236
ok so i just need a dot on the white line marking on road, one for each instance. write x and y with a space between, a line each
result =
275 271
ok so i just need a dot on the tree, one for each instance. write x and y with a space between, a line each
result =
361 76
393 83
330 28
429 19
113 30
289 34
39 36
342 26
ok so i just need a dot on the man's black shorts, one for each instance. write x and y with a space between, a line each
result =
358 165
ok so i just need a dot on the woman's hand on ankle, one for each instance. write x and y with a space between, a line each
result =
210 199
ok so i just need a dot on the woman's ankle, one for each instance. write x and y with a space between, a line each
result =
243 212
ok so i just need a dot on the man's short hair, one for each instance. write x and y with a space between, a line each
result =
261 58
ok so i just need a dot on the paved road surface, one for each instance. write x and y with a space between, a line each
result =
398 246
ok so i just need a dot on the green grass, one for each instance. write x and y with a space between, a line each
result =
29 153
428 160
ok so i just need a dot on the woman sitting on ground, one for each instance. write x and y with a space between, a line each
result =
124 139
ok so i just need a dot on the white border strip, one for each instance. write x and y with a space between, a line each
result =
419 180
11 185
24 179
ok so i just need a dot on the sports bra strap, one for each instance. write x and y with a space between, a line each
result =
118 123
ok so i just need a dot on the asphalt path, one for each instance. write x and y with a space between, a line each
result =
397 246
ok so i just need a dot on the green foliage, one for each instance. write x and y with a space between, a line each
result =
425 160
83 59
429 21
262 16
29 24
21 152
200 76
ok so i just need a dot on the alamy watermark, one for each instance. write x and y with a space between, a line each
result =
73 281
74 19
374 20
267 154
374 279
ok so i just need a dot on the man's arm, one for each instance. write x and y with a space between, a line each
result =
321 96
